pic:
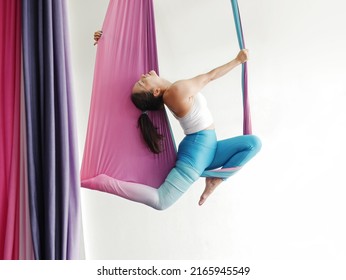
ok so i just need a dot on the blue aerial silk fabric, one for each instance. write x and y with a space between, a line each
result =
247 127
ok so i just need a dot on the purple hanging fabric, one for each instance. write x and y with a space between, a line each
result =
114 145
51 141
25 238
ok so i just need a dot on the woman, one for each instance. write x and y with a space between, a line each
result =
199 151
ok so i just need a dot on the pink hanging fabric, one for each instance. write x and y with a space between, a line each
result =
10 63
114 145
26 251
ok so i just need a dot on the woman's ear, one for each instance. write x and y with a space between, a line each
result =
157 92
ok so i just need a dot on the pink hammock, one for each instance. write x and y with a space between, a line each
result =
114 145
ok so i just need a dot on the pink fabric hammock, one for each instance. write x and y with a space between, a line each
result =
114 145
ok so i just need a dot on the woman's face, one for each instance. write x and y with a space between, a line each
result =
147 82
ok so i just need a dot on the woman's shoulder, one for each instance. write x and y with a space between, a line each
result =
178 99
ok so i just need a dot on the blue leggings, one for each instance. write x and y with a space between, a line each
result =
199 154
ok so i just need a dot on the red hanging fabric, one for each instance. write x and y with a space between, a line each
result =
10 84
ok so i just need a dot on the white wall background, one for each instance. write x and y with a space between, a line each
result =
289 201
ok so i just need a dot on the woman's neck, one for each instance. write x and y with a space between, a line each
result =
165 85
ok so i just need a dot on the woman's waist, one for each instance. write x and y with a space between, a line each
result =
198 126
210 127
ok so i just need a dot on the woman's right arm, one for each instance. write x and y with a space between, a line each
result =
196 84
180 96
222 70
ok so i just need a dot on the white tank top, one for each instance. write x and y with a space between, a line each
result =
198 118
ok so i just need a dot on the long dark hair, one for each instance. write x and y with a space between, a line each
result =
148 102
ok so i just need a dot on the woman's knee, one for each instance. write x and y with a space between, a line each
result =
255 143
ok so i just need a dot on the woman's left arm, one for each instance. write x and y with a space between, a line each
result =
97 36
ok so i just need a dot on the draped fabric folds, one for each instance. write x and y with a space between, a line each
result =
53 164
26 251
10 63
247 126
39 178
114 145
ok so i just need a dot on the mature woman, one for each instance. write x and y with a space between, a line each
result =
199 151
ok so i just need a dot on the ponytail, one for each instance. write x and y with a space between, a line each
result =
147 101
150 135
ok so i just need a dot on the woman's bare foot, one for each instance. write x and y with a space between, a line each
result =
210 186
